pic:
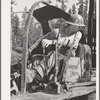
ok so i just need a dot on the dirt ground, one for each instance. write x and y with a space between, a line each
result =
74 93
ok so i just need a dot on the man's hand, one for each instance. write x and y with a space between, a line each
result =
46 42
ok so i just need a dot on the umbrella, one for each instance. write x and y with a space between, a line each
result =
46 13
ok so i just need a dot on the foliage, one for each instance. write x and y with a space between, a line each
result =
15 31
83 7
22 22
73 9
63 5
35 30
13 2
69 11
24 17
80 10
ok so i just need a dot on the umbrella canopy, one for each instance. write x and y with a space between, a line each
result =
46 13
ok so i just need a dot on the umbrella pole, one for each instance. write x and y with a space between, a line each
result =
25 47
25 50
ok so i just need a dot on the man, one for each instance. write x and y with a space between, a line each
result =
66 36
68 33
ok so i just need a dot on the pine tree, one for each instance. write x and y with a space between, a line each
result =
73 9
83 7
70 11
14 29
49 1
24 17
63 6
35 31
80 10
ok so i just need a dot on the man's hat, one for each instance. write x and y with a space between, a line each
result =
76 19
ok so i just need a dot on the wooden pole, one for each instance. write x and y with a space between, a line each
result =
90 23
25 51
56 63
56 57
25 48
19 12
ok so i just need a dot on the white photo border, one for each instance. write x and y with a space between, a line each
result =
5 49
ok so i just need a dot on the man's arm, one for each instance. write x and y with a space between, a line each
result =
46 41
77 39
50 39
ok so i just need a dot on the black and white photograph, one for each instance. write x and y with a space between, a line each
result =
53 50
